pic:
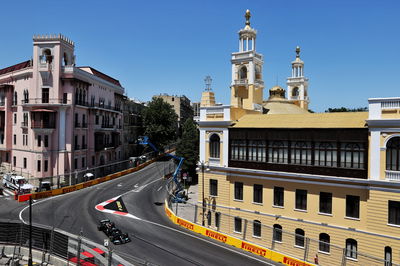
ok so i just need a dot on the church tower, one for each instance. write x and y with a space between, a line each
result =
297 84
247 84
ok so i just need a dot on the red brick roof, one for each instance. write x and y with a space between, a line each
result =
15 67
103 76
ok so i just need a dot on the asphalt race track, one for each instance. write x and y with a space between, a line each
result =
154 238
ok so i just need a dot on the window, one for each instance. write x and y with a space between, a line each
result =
93 161
324 240
15 139
14 161
238 191
46 165
76 163
15 99
257 150
25 162
243 73
388 256
301 199
46 140
238 150
213 187
299 237
278 152
351 248
97 119
352 155
394 212
238 225
257 193
256 228
352 206
301 153
278 196
26 96
25 122
45 95
217 219
39 140
83 162
393 154
39 163
15 118
209 218
214 146
277 236
325 154
325 202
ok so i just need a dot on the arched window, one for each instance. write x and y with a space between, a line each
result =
295 92
324 242
352 155
388 256
393 154
65 59
278 152
243 73
277 236
15 99
46 56
325 154
301 152
26 96
258 72
214 146
351 248
299 237
256 228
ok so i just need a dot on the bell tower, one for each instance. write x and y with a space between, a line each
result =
247 84
297 84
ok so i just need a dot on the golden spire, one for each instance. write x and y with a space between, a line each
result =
247 16
297 51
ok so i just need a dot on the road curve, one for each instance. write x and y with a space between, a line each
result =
154 238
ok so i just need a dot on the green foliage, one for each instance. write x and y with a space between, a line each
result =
188 147
160 122
344 109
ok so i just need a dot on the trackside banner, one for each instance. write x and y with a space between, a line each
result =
58 191
250 247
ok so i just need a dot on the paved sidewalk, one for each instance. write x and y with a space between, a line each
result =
186 210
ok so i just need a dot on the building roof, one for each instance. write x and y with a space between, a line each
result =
16 67
101 75
309 120
283 107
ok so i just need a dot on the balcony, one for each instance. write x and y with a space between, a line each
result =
392 175
77 124
84 146
43 124
77 147
82 103
24 124
45 102
241 82
84 125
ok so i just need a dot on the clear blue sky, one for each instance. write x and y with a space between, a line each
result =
351 48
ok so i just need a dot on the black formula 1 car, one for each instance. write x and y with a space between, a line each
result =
114 234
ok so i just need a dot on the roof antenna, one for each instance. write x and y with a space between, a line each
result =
208 81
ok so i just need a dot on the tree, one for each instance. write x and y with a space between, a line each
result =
160 122
188 147
344 109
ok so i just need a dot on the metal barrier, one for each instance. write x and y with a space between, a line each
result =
295 245
53 242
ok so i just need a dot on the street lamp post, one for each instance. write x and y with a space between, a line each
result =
203 166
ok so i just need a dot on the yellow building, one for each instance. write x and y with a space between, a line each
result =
320 186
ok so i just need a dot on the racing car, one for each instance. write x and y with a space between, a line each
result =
115 235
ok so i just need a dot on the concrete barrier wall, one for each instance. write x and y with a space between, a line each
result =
233 241
63 190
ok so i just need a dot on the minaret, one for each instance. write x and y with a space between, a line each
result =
207 97
297 84
247 84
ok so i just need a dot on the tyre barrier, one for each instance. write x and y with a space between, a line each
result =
233 241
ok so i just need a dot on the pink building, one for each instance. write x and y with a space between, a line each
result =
56 118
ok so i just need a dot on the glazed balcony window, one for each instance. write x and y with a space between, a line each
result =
43 118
